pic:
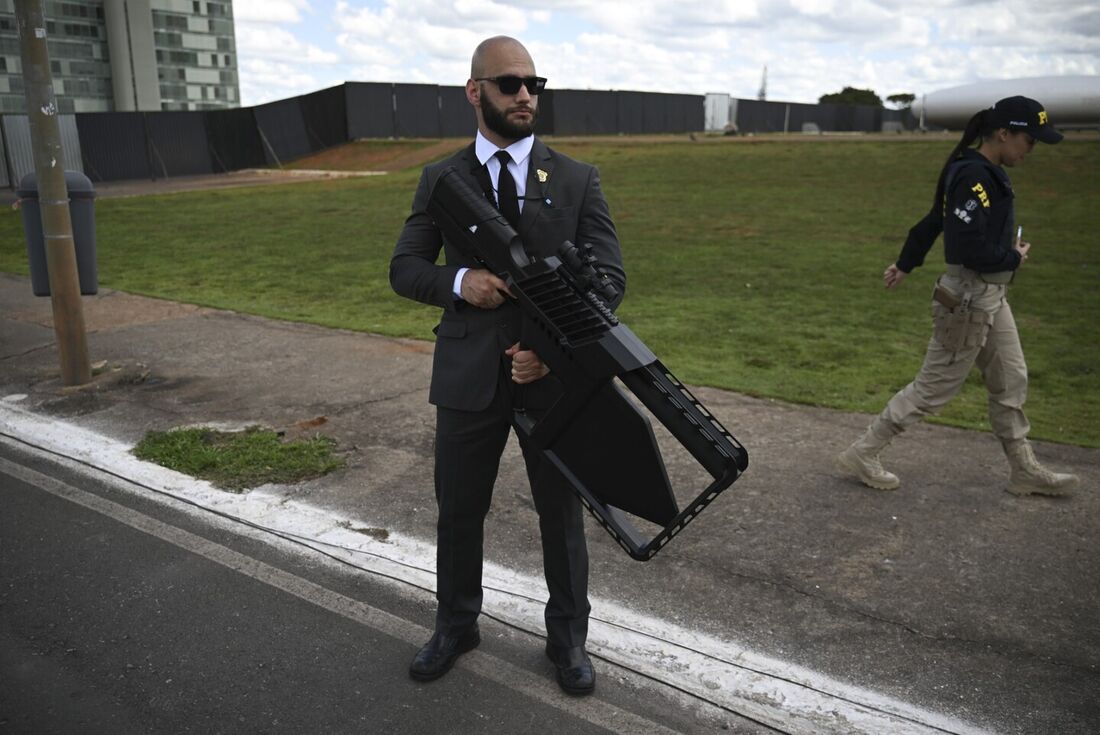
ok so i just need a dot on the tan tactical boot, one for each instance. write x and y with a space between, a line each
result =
1031 478
861 458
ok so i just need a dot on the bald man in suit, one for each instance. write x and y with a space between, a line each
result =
479 363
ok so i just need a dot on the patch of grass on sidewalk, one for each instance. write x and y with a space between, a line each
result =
239 460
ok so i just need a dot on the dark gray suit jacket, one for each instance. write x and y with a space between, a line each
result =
568 205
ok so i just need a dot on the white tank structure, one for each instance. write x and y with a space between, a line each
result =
1071 101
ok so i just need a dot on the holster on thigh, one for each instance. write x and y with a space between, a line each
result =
955 326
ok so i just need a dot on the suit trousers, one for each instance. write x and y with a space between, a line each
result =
468 447
994 347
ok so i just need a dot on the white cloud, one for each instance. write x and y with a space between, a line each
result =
263 41
811 47
270 11
479 17
265 81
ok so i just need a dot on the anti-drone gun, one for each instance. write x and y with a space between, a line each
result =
594 435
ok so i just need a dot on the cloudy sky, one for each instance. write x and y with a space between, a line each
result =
810 47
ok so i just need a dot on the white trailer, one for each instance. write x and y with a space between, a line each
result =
717 112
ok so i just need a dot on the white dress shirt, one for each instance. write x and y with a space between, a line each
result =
520 151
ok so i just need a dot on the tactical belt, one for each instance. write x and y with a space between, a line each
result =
957 271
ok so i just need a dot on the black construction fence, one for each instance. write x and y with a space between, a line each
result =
756 116
133 145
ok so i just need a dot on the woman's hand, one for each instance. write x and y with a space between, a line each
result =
893 275
1022 247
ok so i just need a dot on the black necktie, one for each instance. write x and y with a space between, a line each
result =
507 199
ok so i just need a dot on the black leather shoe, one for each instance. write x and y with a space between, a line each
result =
575 673
440 653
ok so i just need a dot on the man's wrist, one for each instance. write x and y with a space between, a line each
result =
456 287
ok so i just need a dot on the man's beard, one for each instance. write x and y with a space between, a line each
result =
497 120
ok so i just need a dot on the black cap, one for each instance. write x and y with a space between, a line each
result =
1025 115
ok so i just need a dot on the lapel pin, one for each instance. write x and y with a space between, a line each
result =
543 176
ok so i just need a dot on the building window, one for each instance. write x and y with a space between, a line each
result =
169 40
13 104
70 10
89 69
186 58
79 29
169 20
64 49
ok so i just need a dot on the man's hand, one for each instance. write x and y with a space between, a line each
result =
1022 248
526 365
483 289
893 275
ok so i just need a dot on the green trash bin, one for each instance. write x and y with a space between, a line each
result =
82 213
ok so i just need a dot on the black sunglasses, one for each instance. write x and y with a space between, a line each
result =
509 84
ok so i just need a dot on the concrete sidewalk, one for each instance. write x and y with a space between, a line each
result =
948 595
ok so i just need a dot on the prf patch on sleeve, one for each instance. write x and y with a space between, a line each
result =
982 196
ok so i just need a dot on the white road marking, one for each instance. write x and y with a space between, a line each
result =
785 696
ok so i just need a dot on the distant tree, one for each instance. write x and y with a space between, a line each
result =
852 96
902 101
763 93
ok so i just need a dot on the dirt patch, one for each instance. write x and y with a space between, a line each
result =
378 534
381 155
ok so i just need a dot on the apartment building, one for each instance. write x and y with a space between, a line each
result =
121 55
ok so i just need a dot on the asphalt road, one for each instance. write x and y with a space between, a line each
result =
122 615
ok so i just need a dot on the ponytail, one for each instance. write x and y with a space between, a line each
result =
979 126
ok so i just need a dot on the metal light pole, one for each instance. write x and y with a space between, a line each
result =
53 195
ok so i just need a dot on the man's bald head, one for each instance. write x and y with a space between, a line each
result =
490 50
502 117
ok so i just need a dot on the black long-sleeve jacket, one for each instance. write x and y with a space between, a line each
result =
977 218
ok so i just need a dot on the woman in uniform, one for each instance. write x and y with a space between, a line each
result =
973 322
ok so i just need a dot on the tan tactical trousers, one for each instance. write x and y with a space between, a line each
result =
985 335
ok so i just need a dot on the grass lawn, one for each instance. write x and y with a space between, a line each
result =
752 265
